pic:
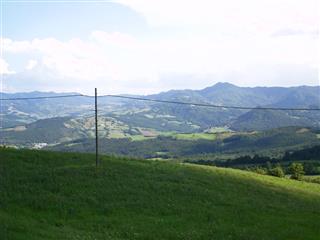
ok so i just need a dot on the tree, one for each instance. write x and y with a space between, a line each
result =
296 171
277 171
268 166
311 168
260 170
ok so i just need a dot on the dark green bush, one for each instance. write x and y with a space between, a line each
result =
296 170
277 171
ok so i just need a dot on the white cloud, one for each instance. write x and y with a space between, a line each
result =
116 39
264 39
122 63
4 67
229 16
15 46
248 42
31 64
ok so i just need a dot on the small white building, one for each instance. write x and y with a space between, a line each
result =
39 145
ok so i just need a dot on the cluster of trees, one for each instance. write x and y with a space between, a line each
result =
295 163
309 157
312 153
305 154
295 170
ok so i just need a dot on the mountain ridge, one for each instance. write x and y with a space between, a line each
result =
216 85
139 112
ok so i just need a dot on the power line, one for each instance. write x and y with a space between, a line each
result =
164 101
42 97
210 105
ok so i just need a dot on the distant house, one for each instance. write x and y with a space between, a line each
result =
39 145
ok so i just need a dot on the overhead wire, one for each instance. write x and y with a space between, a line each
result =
210 105
163 101
41 97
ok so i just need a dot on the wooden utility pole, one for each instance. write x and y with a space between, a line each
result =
96 125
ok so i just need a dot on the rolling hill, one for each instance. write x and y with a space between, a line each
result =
117 137
270 142
46 195
168 117
257 120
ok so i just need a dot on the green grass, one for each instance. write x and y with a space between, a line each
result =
46 195
179 136
190 136
218 130
139 138
196 136
313 179
117 134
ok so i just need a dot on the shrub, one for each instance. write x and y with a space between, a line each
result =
277 171
260 170
296 171
311 169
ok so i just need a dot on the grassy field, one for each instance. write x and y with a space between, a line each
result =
179 136
314 179
46 195
196 136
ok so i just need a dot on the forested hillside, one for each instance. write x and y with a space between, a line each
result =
170 117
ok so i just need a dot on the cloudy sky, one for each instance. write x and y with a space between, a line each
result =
147 46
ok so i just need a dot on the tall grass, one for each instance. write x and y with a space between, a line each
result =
47 195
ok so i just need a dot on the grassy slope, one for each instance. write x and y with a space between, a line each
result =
189 136
62 196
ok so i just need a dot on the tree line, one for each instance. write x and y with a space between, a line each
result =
293 163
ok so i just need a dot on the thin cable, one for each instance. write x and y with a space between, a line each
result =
166 101
210 105
42 97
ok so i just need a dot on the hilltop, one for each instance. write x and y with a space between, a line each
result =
68 123
168 117
48 195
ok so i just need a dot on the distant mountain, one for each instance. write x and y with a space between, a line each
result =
170 117
229 94
51 130
300 97
26 111
268 119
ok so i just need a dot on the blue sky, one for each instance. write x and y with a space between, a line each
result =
145 46
25 21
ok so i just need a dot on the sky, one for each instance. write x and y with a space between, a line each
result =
149 46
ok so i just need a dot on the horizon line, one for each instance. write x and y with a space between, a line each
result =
164 91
